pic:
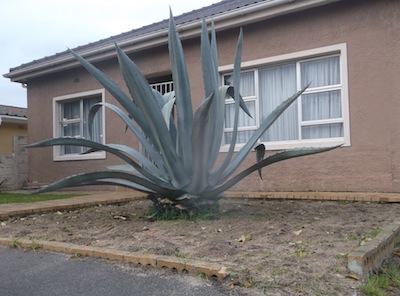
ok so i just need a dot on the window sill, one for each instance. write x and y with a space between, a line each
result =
70 157
285 145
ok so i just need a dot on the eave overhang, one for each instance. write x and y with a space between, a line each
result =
103 51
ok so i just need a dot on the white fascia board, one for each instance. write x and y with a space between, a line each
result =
235 18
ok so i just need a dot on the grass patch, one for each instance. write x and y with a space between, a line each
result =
387 281
25 198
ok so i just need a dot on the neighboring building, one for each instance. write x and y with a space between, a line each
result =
349 50
13 155
13 122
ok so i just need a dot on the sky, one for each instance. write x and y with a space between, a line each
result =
31 30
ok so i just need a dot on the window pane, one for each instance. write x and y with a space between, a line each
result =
247 88
71 130
320 72
242 137
244 119
323 105
276 85
70 110
333 130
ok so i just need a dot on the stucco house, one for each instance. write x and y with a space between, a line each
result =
348 50
13 155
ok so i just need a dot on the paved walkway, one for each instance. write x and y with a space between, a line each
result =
89 199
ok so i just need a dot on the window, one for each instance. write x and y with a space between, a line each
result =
319 117
71 120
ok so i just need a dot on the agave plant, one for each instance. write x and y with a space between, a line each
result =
181 168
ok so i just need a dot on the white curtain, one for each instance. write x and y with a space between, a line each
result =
323 104
276 85
70 111
72 125
320 72
247 90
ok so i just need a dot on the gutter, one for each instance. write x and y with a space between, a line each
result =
12 119
223 21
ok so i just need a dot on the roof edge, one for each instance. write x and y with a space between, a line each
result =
234 18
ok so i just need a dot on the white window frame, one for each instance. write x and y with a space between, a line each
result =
337 49
57 101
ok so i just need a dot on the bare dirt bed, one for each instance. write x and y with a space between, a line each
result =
272 247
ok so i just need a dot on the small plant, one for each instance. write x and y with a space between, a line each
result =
15 243
35 246
387 280
181 169
66 229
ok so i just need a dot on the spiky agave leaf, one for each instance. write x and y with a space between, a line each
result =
280 156
116 150
130 125
183 96
145 100
95 178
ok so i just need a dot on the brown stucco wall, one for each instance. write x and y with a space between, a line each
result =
371 31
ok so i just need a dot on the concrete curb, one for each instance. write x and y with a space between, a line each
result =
365 260
182 265
332 196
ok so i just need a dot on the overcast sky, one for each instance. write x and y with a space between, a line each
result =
31 30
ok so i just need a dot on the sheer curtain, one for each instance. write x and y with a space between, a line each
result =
70 125
74 126
277 84
247 90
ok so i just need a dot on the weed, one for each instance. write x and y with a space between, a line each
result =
301 251
180 255
371 235
203 277
15 244
66 229
353 236
35 246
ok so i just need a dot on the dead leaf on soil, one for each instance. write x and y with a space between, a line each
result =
353 276
244 238
120 217
246 284
298 232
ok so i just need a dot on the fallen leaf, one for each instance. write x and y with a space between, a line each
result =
353 276
244 238
120 217
246 284
298 232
